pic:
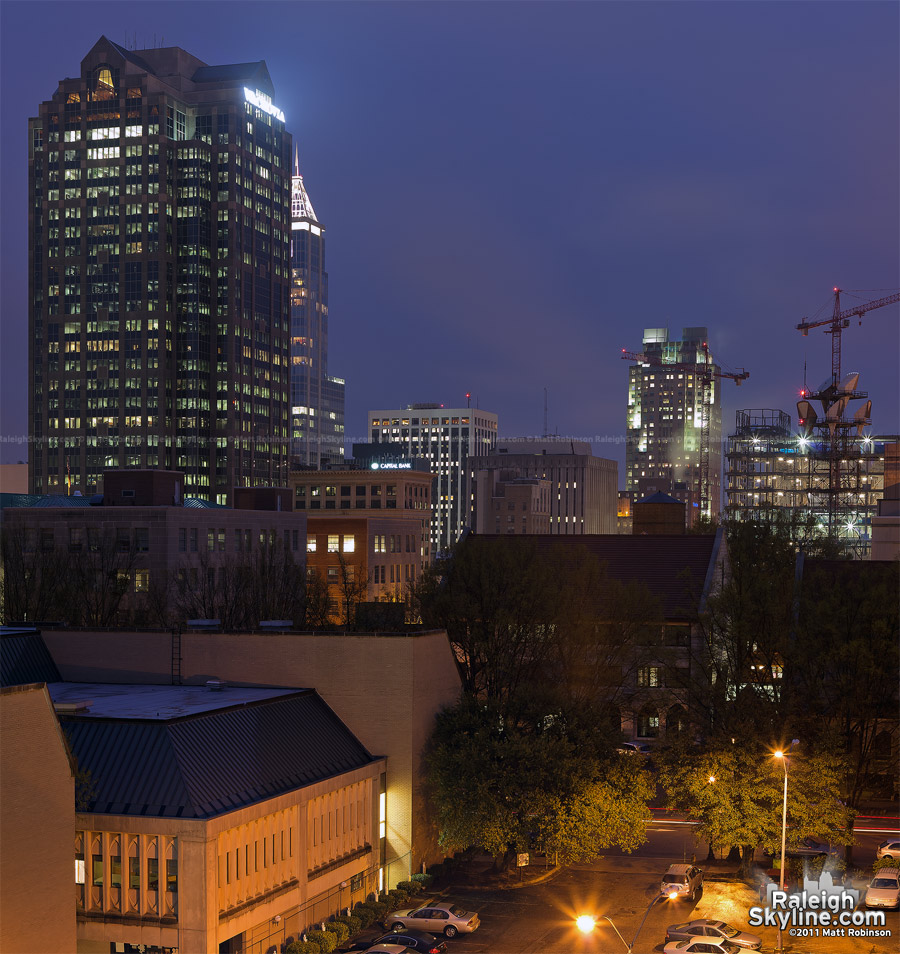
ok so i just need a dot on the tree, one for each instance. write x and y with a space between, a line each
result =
34 577
515 779
736 790
843 665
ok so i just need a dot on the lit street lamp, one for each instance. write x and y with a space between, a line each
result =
586 924
784 762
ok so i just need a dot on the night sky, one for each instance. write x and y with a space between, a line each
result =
513 191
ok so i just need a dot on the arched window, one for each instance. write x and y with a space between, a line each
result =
676 721
648 723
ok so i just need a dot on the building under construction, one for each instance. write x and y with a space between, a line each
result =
769 468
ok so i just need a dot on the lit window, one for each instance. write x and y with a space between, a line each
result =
310 544
333 542
349 543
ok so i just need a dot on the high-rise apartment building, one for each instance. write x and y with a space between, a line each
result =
317 398
451 440
159 274
665 415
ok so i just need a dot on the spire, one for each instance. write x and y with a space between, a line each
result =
301 207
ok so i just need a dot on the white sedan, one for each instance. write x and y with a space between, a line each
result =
702 945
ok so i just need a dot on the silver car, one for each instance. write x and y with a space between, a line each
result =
707 928
884 889
889 849
682 881
446 919
702 945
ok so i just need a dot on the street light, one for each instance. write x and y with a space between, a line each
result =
784 762
587 924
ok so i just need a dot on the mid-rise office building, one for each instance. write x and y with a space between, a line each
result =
317 398
159 274
664 433
451 440
582 488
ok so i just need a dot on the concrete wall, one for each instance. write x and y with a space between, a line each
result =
37 827
386 688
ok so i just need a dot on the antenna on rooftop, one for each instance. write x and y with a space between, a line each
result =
546 425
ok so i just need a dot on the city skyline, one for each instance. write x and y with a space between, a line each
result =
486 169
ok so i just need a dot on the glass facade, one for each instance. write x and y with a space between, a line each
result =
159 276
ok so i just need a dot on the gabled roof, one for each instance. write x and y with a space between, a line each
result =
211 761
24 658
45 500
677 570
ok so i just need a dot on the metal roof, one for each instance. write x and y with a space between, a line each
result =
226 753
24 658
46 500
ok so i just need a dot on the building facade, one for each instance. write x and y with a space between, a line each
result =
143 546
664 415
159 274
452 440
583 488
771 469
517 505
317 398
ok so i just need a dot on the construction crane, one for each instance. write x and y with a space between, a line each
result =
840 320
834 397
705 372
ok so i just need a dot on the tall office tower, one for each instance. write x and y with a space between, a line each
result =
159 281
317 398
665 409
451 440
583 488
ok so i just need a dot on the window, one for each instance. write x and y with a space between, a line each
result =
349 543
182 539
333 542
141 581
115 871
97 871
311 544
134 873
142 539
648 677
333 574
153 874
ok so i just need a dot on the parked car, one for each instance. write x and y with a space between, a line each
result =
446 919
634 748
702 945
420 941
387 949
684 880
884 889
889 849
707 928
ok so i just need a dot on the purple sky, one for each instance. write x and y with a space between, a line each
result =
513 191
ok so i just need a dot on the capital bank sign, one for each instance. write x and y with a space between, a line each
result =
262 101
388 465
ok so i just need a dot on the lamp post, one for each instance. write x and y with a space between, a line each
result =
784 763
586 924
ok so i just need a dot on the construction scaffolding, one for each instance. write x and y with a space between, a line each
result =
771 469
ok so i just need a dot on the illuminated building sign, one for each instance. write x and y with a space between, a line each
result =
388 465
263 102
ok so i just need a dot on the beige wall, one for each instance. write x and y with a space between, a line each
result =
387 689
229 881
37 825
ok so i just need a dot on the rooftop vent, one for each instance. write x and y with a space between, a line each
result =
215 685
73 708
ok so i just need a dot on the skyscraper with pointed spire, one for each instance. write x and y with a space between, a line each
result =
317 398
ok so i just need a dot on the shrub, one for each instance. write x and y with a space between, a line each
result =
380 909
364 914
325 939
435 871
396 898
303 947
422 881
410 887
339 929
354 924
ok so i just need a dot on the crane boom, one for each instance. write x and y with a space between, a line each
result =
840 320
